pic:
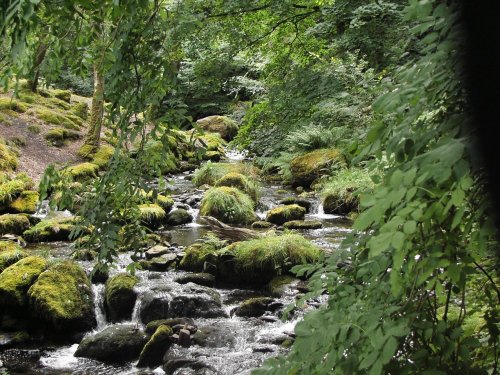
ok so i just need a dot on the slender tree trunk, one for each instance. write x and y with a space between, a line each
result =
94 131
41 51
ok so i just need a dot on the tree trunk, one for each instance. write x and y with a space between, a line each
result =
41 51
94 132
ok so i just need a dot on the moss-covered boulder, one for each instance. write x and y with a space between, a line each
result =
307 168
16 279
161 200
64 95
56 118
262 225
9 191
307 204
13 105
50 230
80 109
10 253
62 298
179 217
241 182
25 203
202 278
281 214
152 215
152 326
154 350
257 261
229 205
13 223
58 136
116 344
254 307
303 224
226 127
120 297
210 142
83 171
210 172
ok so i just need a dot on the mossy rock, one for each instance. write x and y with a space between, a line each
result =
213 156
56 103
239 181
14 223
64 95
278 286
159 156
205 249
154 350
229 205
8 158
103 155
161 200
226 127
281 214
59 136
62 298
152 326
16 279
296 200
202 278
55 118
25 203
210 172
309 167
152 215
83 171
210 142
120 297
253 307
80 109
10 253
9 191
303 224
179 217
50 230
257 261
13 105
262 225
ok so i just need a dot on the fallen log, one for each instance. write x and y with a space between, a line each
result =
228 232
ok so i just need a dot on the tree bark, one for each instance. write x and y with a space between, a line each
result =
94 131
41 51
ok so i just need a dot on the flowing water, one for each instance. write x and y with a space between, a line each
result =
242 343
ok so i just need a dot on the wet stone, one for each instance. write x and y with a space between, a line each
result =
184 338
20 360
156 251
204 279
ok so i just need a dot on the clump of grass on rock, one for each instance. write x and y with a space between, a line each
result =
229 205
239 181
210 172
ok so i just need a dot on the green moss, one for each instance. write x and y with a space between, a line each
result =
103 156
211 142
152 215
50 230
16 279
262 225
8 158
201 251
119 297
13 105
86 151
307 168
253 307
258 261
80 109
57 104
340 194
53 117
35 129
25 203
83 171
281 214
10 253
239 181
210 172
62 295
229 205
10 190
13 223
152 353
64 95
224 126
303 224
161 200
158 157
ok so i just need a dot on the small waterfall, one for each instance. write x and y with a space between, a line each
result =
100 315
42 210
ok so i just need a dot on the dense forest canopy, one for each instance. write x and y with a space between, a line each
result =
413 289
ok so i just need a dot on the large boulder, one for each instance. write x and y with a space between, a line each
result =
337 204
15 281
229 205
241 182
254 307
62 297
154 350
226 127
204 279
281 214
50 230
179 217
308 167
303 224
152 215
115 344
26 202
189 300
120 297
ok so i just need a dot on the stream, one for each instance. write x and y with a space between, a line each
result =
241 344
